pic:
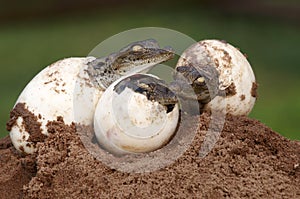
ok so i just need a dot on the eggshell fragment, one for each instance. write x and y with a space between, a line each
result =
63 90
236 77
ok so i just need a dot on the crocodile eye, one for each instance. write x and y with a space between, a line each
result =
137 48
144 86
200 79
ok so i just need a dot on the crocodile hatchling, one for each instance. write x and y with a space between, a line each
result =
139 57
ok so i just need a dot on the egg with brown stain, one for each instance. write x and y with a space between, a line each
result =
237 85
60 91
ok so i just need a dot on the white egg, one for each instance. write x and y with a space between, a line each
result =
236 77
126 121
62 89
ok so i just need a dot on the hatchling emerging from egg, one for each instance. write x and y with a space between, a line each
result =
192 83
203 72
229 77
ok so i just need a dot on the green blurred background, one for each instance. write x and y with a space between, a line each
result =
35 33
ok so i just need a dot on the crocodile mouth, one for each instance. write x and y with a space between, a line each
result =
141 61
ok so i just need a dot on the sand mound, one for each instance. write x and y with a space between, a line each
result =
249 160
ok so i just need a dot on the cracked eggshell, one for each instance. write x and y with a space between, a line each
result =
236 76
130 123
62 89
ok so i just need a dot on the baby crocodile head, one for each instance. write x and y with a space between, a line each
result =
140 57
193 83
137 57
154 89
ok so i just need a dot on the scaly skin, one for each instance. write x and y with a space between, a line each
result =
137 57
